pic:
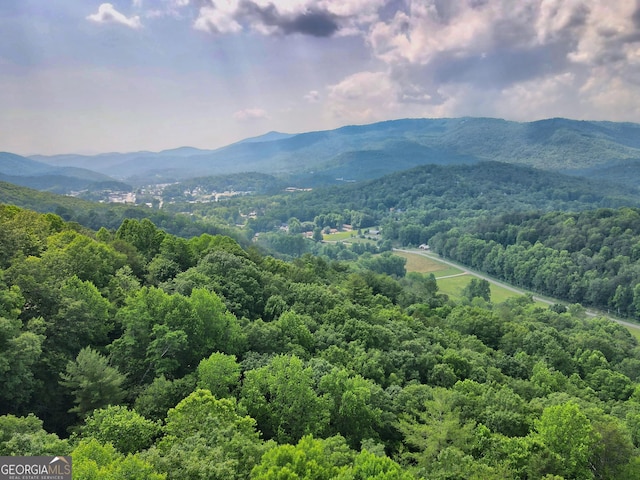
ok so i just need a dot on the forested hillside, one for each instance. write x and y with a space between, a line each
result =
428 194
147 355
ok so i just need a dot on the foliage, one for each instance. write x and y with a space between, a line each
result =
92 381
205 437
125 429
95 461
239 364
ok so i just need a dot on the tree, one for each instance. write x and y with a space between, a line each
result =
281 398
354 413
84 318
93 382
477 288
168 334
325 459
125 429
93 460
19 352
220 374
309 459
206 438
162 394
143 235
436 427
568 434
26 436
71 253
368 466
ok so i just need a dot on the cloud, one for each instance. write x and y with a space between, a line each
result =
363 97
218 19
313 96
250 114
323 18
108 14
526 59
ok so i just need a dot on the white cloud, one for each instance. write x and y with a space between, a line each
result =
218 18
108 14
250 114
363 97
313 96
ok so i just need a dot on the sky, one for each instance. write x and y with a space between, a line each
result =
81 76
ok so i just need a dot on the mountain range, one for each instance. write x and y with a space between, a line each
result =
604 150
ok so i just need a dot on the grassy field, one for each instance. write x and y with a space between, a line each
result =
340 236
422 264
453 286
450 280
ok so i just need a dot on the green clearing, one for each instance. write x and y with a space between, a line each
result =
421 264
340 236
448 272
451 285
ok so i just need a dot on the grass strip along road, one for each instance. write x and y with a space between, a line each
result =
457 270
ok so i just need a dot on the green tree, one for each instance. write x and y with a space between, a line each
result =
70 253
434 428
162 394
126 430
143 235
94 461
317 234
309 459
26 436
477 288
168 334
93 382
368 466
84 318
355 412
570 438
219 373
19 352
280 396
206 438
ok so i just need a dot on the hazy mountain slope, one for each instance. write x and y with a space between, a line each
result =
369 151
41 176
11 164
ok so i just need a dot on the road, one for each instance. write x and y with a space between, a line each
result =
437 258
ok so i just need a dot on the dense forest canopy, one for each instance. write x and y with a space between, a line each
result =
146 354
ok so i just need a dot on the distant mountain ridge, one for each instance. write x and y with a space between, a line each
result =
42 176
369 151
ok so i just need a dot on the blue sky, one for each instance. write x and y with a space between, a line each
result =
78 76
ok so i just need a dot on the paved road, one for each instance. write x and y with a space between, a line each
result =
437 258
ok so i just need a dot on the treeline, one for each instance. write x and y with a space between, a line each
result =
149 356
591 257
